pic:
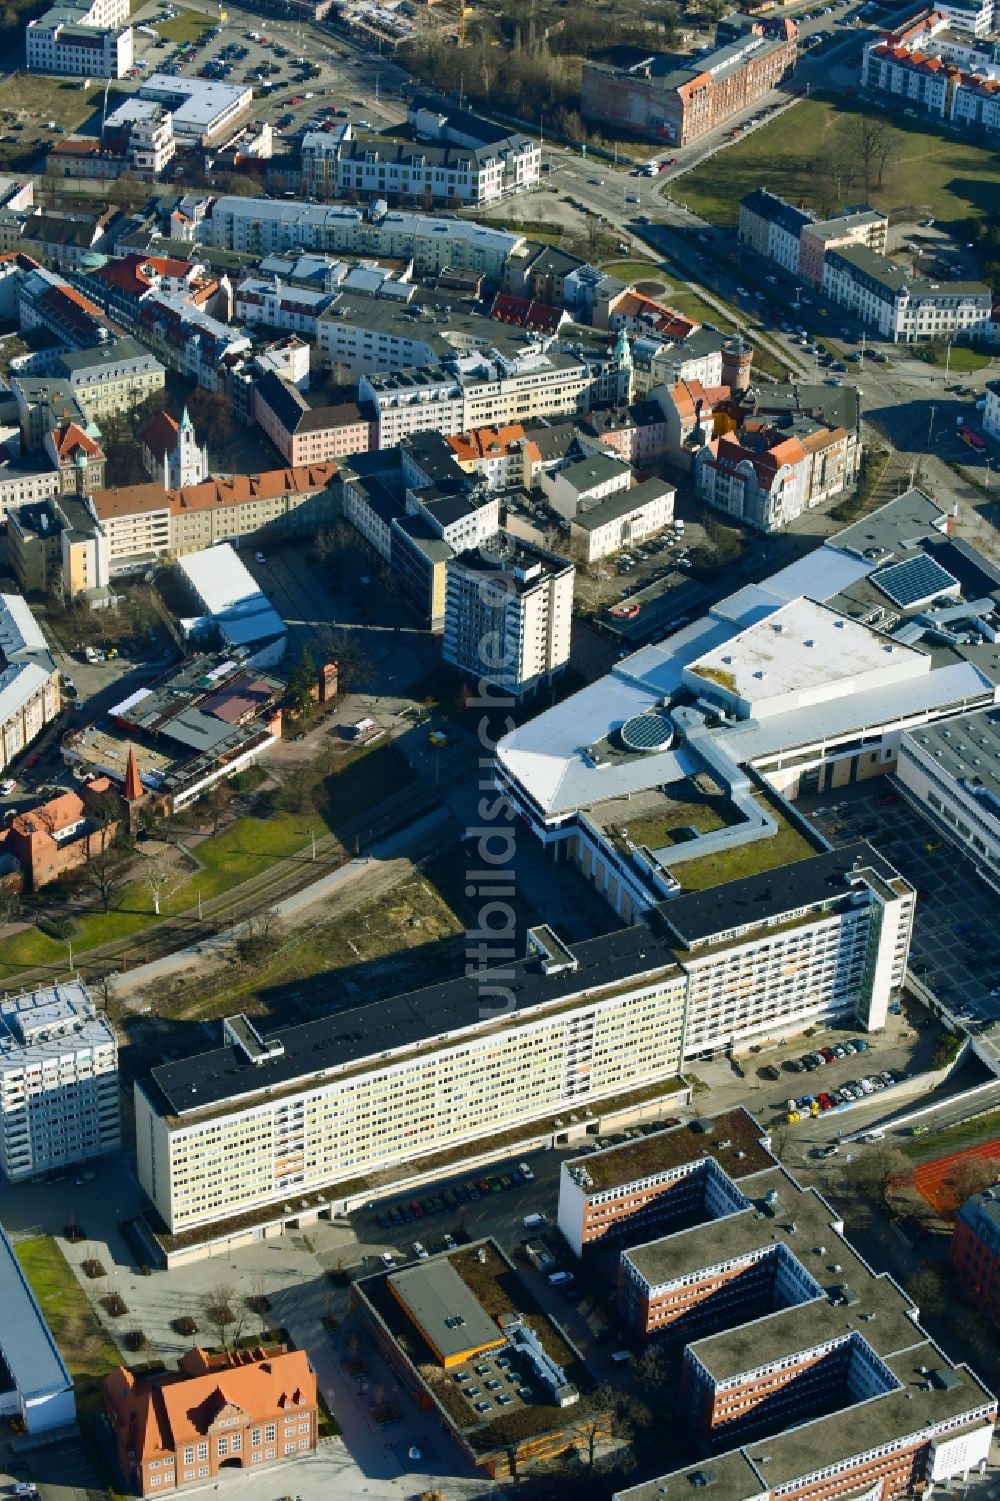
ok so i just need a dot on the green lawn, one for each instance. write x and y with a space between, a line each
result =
247 848
746 859
963 359
955 1139
693 306
186 26
89 1353
635 271
657 829
934 171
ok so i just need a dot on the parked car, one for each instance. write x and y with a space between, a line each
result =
526 1172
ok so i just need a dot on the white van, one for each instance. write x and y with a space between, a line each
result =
534 1221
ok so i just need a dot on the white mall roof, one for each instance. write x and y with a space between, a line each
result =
801 654
230 594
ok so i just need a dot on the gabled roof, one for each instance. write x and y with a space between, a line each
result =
162 433
70 439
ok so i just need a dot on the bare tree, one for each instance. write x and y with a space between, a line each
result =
217 1308
162 883
606 1412
256 943
259 1303
104 869
219 796
870 141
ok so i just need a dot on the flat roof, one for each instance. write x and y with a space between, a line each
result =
967 749
732 1477
444 1308
804 648
620 503
816 881
29 1351
49 1023
734 1140
361 1032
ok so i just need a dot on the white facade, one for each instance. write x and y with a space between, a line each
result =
29 679
953 771
294 309
58 1081
991 411
903 308
897 66
623 520
590 479
261 226
508 614
40 1391
85 40
474 393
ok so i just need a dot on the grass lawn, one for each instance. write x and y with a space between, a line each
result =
635 271
89 1353
934 171
247 848
954 1139
963 360
693 306
39 98
658 829
186 26
745 860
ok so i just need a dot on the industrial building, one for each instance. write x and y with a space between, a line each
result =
58 1080
676 99
35 1385
202 112
234 606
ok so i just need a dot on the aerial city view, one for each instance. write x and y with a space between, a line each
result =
499 750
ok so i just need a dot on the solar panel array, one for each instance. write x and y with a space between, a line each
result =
647 732
910 582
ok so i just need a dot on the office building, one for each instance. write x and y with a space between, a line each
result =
804 683
800 1372
202 112
38 1389
401 169
84 38
500 1376
242 1410
946 71
904 306
139 133
975 1250
110 378
508 614
29 679
603 509
58 1080
676 100
952 771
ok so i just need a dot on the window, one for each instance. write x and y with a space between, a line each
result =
189 1455
270 1433
254 1438
202 1451
223 1447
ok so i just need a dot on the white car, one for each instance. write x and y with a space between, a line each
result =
526 1172
420 1251
259 557
7 787
388 1260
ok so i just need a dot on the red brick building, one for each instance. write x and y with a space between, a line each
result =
63 833
975 1249
242 1411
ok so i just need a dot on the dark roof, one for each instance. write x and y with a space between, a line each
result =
363 1031
768 895
282 397
775 210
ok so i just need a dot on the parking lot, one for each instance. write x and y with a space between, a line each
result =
955 949
355 86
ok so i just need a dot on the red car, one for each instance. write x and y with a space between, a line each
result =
296 99
828 1054
825 1102
667 163
418 1208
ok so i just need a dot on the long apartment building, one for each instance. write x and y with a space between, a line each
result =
953 771
29 679
904 306
58 1080
796 240
938 68
475 391
279 1127
263 227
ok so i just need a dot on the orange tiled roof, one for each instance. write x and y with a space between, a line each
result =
224 490
69 437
